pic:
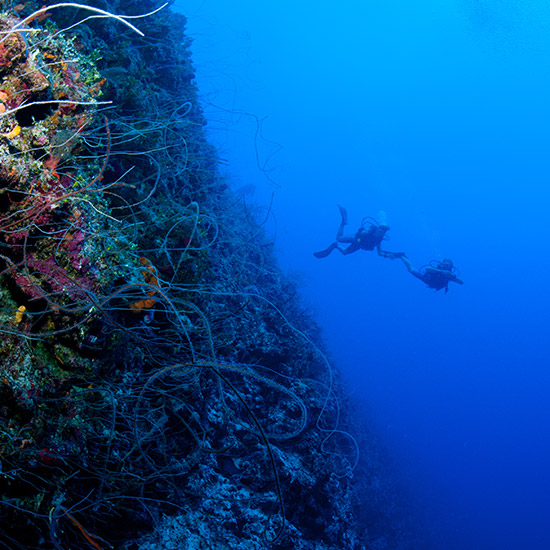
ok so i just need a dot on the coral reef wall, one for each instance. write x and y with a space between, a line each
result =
161 385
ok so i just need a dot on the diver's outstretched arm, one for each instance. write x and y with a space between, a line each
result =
446 274
411 268
457 280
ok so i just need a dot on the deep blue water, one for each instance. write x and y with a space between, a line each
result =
435 116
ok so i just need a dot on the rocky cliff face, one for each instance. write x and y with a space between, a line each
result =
161 385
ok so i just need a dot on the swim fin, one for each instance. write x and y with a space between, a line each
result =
326 252
344 214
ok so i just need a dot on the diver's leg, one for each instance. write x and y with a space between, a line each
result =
353 247
349 239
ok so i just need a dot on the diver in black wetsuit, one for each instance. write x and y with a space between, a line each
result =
366 238
436 275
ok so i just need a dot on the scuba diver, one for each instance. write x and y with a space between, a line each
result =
366 238
436 274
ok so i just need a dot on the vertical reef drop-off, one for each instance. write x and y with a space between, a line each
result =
161 384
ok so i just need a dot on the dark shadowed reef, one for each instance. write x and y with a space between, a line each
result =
161 384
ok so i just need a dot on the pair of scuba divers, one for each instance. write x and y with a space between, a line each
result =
436 275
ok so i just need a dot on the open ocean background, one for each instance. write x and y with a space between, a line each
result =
435 117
